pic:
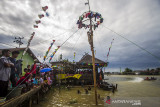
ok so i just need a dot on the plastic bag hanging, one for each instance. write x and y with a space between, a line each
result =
98 22
33 33
47 14
35 26
101 20
78 22
38 21
44 8
40 16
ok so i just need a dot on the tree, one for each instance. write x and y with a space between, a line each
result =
127 71
158 69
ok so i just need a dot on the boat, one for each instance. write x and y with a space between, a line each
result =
106 86
149 79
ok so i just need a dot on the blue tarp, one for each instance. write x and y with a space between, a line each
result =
45 70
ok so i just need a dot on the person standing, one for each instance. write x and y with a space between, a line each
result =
34 68
28 68
13 69
5 72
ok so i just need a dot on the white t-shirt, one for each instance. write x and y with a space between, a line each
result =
5 72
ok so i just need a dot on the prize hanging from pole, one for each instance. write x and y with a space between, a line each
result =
44 9
95 17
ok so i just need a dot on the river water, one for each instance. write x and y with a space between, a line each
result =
129 88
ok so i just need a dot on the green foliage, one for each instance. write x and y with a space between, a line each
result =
128 71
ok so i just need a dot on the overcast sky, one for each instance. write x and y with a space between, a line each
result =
136 20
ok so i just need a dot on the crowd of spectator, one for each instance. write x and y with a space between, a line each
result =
11 76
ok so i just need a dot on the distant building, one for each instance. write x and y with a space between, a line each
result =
115 73
28 58
137 72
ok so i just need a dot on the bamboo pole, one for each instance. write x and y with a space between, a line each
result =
94 76
93 58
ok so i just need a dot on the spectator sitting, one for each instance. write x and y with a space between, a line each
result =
23 80
49 80
35 81
45 79
26 70
41 80
30 81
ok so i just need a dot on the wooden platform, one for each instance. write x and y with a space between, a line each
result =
20 99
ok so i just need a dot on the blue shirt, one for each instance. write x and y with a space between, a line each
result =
13 60
35 81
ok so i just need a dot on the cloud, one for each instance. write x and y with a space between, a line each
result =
136 20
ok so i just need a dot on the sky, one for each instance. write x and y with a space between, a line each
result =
136 20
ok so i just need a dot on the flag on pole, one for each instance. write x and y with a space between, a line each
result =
54 53
48 50
29 41
109 49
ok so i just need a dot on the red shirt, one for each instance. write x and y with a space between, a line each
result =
24 79
33 71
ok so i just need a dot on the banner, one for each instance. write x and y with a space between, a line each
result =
65 76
